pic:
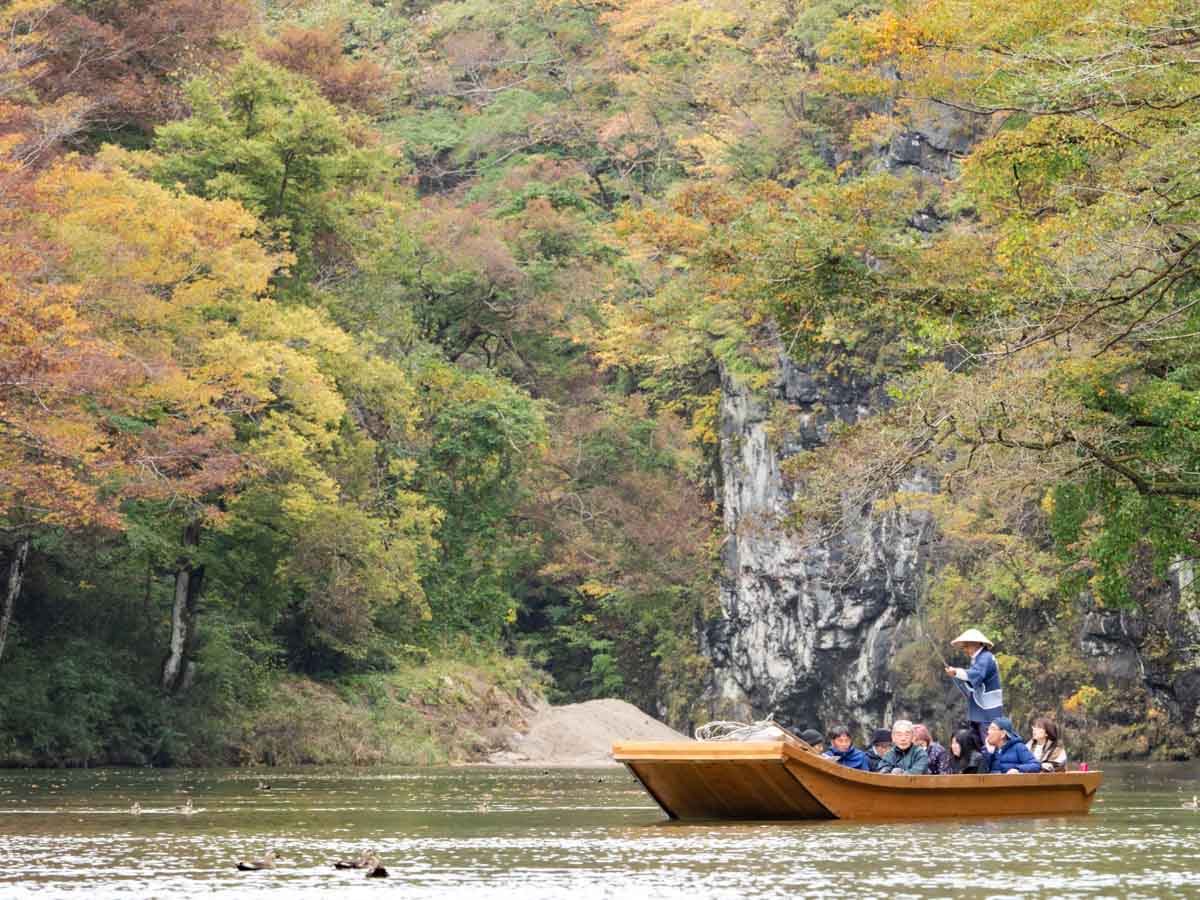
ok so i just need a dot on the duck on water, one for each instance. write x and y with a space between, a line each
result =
368 860
358 862
266 861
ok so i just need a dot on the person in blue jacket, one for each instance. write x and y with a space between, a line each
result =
1007 753
980 683
843 750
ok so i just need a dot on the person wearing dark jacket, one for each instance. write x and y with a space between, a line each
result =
1007 753
881 743
938 755
980 683
905 757
964 757
844 751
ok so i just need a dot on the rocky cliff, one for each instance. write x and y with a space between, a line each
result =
1153 649
806 630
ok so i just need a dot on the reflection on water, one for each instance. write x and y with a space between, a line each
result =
575 834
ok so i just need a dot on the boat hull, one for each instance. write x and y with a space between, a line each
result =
781 780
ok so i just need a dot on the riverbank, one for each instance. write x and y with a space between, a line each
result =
465 705
442 711
486 711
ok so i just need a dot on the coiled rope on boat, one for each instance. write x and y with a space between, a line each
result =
764 730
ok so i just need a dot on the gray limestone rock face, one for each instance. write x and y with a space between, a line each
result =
806 631
1156 644
1109 640
937 137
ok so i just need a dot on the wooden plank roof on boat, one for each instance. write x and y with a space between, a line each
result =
787 780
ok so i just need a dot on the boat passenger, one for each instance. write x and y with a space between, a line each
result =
814 739
844 751
881 743
905 757
938 755
964 757
1045 746
1006 752
980 683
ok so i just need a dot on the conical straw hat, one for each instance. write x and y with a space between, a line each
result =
972 636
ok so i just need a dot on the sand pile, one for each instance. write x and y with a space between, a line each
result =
581 734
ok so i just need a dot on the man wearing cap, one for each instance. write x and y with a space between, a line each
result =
814 739
980 683
1006 751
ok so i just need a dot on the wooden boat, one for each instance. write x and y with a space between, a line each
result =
785 780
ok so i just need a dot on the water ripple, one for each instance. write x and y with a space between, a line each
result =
497 835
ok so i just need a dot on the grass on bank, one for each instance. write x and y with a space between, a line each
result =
456 708
77 708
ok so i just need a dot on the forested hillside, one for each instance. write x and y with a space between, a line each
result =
360 360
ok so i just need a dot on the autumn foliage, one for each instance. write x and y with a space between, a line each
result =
319 55
376 326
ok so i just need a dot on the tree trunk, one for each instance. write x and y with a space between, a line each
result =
605 198
12 588
189 578
287 165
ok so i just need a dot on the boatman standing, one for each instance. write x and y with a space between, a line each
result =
980 683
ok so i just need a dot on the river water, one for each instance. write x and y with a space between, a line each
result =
558 834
